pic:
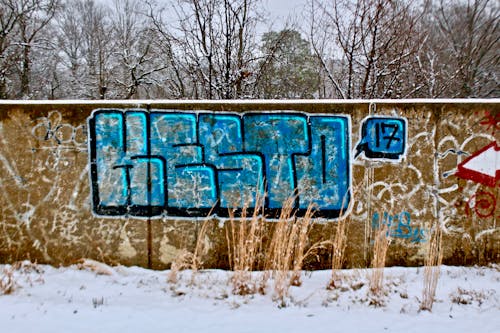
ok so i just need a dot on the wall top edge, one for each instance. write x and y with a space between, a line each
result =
142 103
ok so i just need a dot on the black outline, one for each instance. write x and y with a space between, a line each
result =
323 158
152 211
362 146
328 213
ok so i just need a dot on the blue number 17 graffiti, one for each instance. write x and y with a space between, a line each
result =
173 163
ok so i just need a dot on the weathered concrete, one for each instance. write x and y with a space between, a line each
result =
416 165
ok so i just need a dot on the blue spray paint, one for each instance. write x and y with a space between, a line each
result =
188 164
382 137
398 226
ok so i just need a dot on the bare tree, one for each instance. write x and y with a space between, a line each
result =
217 41
364 46
461 56
84 39
33 17
173 80
8 55
70 42
137 59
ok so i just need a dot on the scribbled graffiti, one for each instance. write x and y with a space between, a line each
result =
398 226
382 137
178 163
51 128
482 204
491 120
189 164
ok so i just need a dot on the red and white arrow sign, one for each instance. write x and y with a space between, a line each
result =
483 166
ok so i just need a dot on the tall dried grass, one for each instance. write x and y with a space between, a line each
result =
244 241
432 263
190 260
380 247
338 247
283 256
305 224
286 251
11 273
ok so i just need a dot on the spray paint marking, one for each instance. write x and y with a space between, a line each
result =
398 226
483 204
492 121
382 138
483 166
171 163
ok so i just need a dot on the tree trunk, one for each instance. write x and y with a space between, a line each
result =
26 72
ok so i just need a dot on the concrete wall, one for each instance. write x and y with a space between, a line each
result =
131 182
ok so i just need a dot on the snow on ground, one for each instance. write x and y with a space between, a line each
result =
99 298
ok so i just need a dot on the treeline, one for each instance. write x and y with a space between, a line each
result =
215 49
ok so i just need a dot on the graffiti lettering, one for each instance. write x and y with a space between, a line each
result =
398 226
52 128
382 137
188 164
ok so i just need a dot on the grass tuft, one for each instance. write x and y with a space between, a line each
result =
433 262
286 251
8 283
244 241
191 260
380 247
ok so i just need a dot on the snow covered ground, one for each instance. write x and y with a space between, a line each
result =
93 297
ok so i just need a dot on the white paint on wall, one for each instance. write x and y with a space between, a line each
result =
125 248
168 252
485 162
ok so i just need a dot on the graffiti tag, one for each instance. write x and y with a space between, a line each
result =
51 128
398 226
492 121
382 137
175 163
483 204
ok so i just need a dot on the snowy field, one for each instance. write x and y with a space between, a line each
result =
93 297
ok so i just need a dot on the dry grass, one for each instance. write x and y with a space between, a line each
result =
304 225
8 283
190 260
286 252
380 247
279 254
244 241
94 266
432 269
338 247
8 278
183 260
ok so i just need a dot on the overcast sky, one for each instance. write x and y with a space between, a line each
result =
285 7
280 10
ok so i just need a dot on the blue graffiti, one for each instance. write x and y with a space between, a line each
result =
173 163
398 226
382 137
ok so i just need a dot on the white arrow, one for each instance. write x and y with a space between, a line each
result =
483 166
